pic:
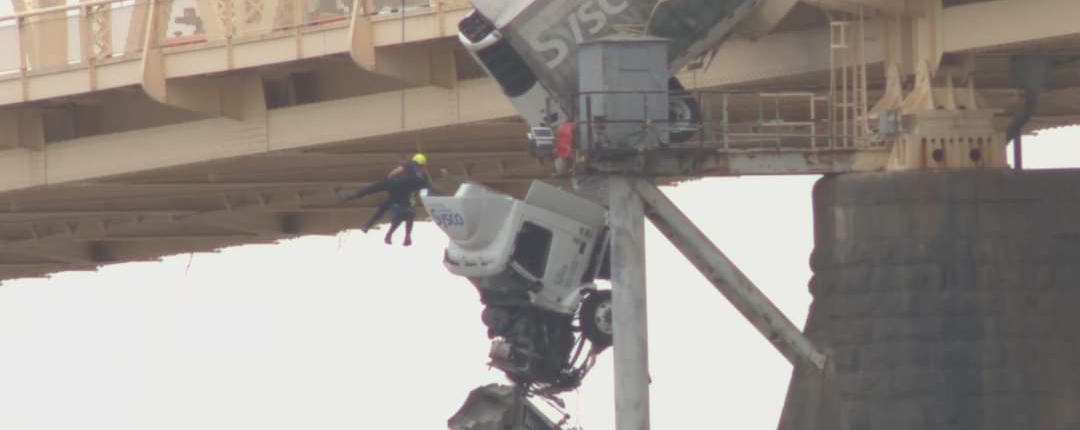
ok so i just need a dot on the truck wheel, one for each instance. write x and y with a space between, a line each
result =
684 112
596 318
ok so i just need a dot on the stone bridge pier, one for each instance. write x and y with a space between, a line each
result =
945 301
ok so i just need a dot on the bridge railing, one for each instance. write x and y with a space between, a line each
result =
97 32
66 36
721 120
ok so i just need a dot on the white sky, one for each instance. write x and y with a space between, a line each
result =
347 333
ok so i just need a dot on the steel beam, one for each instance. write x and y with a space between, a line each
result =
708 162
728 279
889 8
77 255
974 27
291 128
155 237
987 25
627 223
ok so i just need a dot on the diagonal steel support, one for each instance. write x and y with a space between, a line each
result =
727 278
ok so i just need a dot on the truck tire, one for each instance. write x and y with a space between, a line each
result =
684 112
595 319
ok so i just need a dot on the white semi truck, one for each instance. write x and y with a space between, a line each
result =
529 47
534 262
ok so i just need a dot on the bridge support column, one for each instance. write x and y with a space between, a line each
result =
631 345
946 300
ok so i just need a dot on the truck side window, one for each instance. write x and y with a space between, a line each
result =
531 248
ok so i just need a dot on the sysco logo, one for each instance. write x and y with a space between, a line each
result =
445 218
588 20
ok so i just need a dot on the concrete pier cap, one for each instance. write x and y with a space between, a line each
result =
945 300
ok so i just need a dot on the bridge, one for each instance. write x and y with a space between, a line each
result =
135 129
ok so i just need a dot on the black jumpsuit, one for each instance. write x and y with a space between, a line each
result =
401 212
398 188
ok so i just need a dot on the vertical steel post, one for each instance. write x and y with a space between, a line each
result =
627 223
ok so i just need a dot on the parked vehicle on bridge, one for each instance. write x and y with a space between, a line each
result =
529 47
534 263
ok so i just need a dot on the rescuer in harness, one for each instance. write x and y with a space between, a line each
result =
402 212
400 185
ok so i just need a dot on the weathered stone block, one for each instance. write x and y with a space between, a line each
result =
946 301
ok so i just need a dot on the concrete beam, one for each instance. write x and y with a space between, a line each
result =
22 128
773 57
215 139
55 253
746 162
249 222
43 267
416 63
194 188
891 8
442 156
995 24
437 23
90 224
157 237
130 240
54 214
972 27
380 114
236 96
170 210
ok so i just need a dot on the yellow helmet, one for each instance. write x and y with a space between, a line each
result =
419 159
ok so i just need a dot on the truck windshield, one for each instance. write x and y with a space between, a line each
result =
531 248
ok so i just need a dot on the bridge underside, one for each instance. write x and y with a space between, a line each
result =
175 151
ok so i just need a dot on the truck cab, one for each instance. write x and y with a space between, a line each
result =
534 263
547 246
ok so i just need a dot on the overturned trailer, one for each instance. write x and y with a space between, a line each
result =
534 263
